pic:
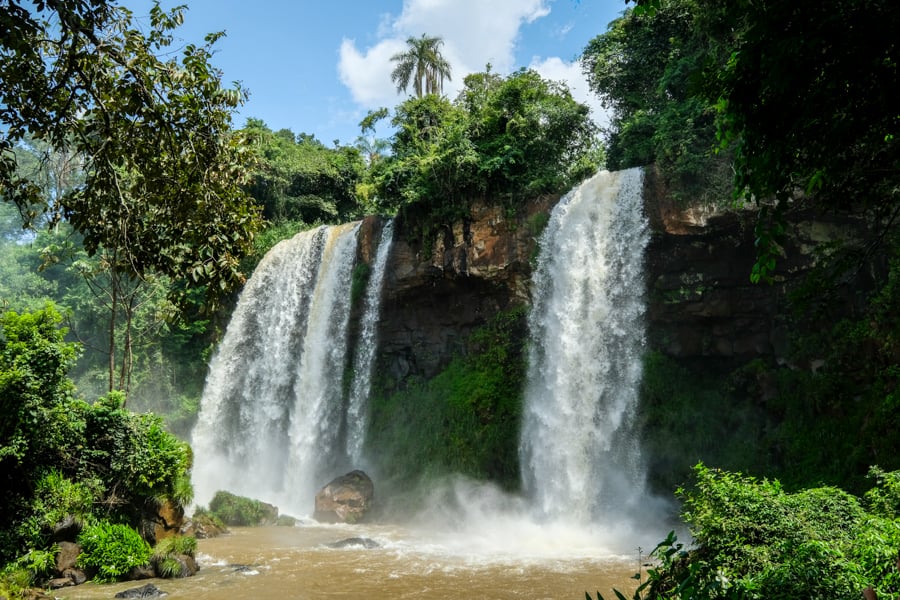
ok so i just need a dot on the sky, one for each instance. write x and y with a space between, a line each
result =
319 66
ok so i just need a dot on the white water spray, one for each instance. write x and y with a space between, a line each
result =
274 382
579 461
365 351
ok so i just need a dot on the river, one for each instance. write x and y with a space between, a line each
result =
296 562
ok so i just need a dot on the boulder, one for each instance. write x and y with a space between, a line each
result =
355 542
145 591
175 566
66 557
145 571
66 530
345 499
60 582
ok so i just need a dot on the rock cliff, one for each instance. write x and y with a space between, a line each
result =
702 308
434 297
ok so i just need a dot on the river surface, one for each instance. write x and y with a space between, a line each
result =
296 562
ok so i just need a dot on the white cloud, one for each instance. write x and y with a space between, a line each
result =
475 33
368 76
570 72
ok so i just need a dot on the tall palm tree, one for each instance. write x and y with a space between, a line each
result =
423 65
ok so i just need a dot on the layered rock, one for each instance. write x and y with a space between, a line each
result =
436 295
702 307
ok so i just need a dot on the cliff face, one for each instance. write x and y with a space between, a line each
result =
434 298
702 308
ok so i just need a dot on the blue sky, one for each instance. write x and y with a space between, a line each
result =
319 66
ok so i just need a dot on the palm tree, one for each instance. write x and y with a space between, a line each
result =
423 65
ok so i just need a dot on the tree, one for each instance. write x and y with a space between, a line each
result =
646 68
808 92
296 177
805 95
423 65
163 171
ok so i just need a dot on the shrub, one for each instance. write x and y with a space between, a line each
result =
55 499
240 511
168 552
112 550
754 540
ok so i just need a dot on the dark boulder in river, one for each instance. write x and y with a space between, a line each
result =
355 542
145 591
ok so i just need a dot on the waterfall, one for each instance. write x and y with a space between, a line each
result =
363 361
317 415
587 335
270 413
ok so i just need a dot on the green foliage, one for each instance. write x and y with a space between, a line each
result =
29 570
297 178
112 550
136 452
507 139
823 418
839 414
793 92
646 68
689 416
60 456
34 391
754 540
464 420
54 499
884 499
240 511
800 88
151 127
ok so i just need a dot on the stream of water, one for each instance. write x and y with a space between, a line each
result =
295 562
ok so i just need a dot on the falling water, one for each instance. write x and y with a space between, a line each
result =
317 415
270 410
365 350
586 325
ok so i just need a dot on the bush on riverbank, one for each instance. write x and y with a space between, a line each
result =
68 466
752 539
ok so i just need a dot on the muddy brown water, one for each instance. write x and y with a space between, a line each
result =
297 563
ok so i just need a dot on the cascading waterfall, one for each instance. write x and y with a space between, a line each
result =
365 350
274 423
317 416
270 413
578 459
